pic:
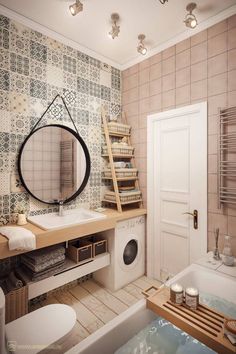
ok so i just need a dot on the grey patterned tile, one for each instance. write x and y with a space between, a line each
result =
69 97
37 70
52 92
94 62
4 100
83 100
19 44
95 179
19 29
94 89
82 85
4 162
115 71
19 83
5 121
4 142
19 64
94 74
18 102
115 82
70 51
4 58
83 57
4 80
69 64
38 89
82 117
55 57
83 69
105 93
115 110
115 96
38 37
94 119
38 51
4 209
56 110
4 22
4 38
15 142
69 81
20 124
19 201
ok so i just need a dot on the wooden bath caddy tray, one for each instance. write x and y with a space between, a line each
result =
204 324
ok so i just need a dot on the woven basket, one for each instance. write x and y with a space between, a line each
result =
119 150
16 304
122 172
124 197
119 128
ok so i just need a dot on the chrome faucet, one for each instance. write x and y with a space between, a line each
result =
216 252
60 211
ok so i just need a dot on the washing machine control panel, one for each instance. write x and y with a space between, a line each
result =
131 223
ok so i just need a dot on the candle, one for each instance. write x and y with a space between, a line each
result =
176 294
192 298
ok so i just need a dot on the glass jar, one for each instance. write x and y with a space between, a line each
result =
228 258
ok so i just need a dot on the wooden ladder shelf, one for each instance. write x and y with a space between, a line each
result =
111 156
204 324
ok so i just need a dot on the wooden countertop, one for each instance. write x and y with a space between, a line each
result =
52 237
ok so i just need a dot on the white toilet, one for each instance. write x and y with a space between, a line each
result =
37 330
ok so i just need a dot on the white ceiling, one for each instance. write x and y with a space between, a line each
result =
162 24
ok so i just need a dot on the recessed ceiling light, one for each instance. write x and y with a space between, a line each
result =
76 8
190 19
115 30
141 47
163 1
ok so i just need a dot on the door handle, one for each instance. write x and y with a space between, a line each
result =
195 218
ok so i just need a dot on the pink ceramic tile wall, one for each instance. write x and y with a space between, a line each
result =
200 68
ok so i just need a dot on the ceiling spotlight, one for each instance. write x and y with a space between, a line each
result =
190 19
115 30
76 8
141 47
163 1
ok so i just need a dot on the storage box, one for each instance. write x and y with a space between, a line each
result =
121 172
119 149
119 128
16 303
80 251
125 197
99 245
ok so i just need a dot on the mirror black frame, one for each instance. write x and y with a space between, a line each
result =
87 158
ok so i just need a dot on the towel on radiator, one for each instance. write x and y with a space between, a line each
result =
19 238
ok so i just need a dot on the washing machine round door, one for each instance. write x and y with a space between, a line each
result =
130 252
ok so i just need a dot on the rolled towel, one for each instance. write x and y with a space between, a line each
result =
19 238
17 283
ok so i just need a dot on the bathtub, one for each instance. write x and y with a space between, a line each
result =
117 332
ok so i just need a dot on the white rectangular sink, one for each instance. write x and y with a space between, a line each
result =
71 217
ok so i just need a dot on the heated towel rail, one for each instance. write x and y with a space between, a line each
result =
227 157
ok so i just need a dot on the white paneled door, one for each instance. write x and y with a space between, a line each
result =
177 189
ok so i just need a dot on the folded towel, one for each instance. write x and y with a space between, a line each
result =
45 254
45 265
44 274
19 238
10 283
17 283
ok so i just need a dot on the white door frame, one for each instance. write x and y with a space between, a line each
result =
153 241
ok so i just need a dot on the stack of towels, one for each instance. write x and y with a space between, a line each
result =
44 263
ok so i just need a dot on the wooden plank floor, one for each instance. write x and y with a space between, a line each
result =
95 305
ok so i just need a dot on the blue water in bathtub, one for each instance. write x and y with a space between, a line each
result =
161 337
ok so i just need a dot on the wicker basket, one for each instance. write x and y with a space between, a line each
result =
122 172
119 150
126 197
16 304
119 128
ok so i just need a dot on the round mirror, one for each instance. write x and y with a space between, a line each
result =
54 164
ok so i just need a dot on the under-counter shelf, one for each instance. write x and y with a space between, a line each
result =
71 272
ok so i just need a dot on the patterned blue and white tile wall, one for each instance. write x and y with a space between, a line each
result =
33 69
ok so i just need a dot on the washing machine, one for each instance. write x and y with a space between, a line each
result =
126 245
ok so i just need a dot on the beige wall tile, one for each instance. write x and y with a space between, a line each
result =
155 58
142 121
199 53
213 204
215 102
217 29
183 77
232 59
130 96
144 64
183 59
217 45
218 64
134 69
130 82
183 95
144 91
232 226
143 135
232 81
217 84
168 52
181 46
212 163
168 82
155 87
133 120
168 99
231 98
198 38
155 103
198 90
144 105
232 22
212 144
131 109
218 220
168 65
156 71
212 124
144 76
232 38
199 71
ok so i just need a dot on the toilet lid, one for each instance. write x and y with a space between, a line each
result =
39 329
